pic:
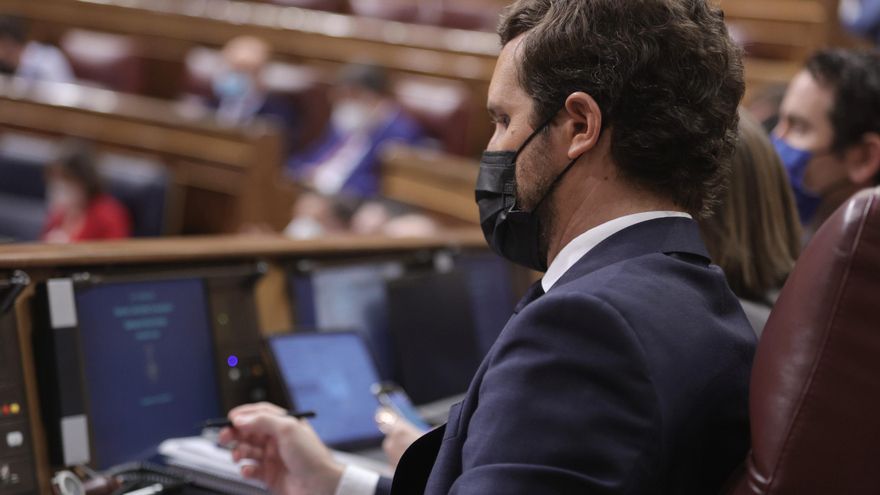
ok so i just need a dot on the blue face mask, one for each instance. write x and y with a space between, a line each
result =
796 161
231 85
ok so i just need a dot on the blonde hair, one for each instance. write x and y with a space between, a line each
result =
754 234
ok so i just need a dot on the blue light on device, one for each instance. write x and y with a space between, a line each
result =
232 361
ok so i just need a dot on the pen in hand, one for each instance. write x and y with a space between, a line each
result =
226 423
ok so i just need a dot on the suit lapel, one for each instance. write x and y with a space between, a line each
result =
534 292
415 466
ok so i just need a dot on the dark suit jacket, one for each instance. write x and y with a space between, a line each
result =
629 376
278 109
364 178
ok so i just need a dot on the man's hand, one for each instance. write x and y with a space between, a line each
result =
289 457
399 434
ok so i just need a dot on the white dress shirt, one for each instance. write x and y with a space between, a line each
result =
360 481
584 243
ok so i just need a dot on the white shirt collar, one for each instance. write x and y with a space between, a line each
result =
582 244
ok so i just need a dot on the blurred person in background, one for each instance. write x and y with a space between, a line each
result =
29 59
754 234
364 117
316 215
828 134
79 209
861 17
240 92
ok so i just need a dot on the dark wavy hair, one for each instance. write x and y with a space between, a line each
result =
76 160
665 74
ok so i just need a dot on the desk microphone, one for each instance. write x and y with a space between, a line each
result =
226 423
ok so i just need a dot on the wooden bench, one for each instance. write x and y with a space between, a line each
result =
166 31
438 183
227 176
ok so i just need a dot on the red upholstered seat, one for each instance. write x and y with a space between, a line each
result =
108 60
327 5
394 10
815 388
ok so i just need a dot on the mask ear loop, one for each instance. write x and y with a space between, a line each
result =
534 133
511 186
556 181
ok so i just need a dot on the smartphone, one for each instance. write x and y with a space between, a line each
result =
393 397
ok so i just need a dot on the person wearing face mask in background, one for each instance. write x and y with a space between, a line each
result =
79 209
828 135
240 93
364 117
625 370
30 59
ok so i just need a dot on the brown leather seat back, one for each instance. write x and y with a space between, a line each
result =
815 388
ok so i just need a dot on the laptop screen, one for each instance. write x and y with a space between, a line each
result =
331 373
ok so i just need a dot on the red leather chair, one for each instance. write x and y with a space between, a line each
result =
442 107
109 60
815 387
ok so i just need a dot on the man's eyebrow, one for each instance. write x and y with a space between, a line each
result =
799 120
493 110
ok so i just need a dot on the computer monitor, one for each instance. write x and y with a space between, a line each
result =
350 297
331 373
430 323
129 360
148 361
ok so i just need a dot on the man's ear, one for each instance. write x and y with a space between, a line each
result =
864 163
584 123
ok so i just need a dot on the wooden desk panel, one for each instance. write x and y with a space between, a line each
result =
183 250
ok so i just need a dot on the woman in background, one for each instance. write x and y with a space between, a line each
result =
754 234
79 209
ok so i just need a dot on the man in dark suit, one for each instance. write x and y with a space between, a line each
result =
240 93
625 369
365 118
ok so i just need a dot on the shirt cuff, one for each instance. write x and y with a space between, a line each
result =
357 481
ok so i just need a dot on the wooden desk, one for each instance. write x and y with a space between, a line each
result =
174 256
227 175
230 248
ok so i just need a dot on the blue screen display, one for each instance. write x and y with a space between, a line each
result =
148 359
331 373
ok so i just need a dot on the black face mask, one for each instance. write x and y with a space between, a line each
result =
510 231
